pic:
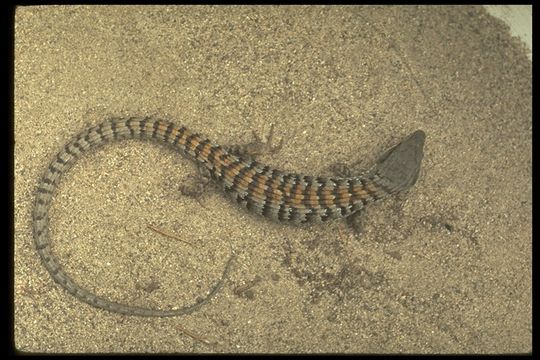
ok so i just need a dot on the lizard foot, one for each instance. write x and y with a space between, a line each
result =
196 185
341 169
355 221
258 146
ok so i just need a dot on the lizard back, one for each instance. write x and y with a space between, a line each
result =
261 189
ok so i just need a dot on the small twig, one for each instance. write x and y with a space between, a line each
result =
243 288
164 233
194 336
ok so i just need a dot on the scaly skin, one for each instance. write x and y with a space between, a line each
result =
261 189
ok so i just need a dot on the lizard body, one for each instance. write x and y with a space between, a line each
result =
275 194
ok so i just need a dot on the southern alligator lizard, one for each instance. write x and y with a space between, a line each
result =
261 189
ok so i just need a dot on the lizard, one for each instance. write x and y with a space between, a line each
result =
275 194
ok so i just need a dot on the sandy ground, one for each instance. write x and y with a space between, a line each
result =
444 268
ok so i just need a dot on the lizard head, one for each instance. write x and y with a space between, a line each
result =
398 167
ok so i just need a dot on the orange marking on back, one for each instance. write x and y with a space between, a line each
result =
182 139
247 178
173 135
226 160
326 198
260 181
218 163
276 195
259 190
344 197
217 155
232 171
343 202
313 200
372 188
148 127
162 128
297 196
359 192
205 151
287 189
194 142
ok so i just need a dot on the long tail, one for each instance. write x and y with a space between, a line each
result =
116 129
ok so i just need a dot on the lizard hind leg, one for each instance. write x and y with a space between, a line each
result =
258 146
356 221
197 184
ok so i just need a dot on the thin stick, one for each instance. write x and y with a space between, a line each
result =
164 233
243 288
194 336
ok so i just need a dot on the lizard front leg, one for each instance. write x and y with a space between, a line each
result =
356 219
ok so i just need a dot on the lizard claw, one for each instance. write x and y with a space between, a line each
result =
258 146
341 169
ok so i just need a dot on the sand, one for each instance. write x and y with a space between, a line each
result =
443 268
